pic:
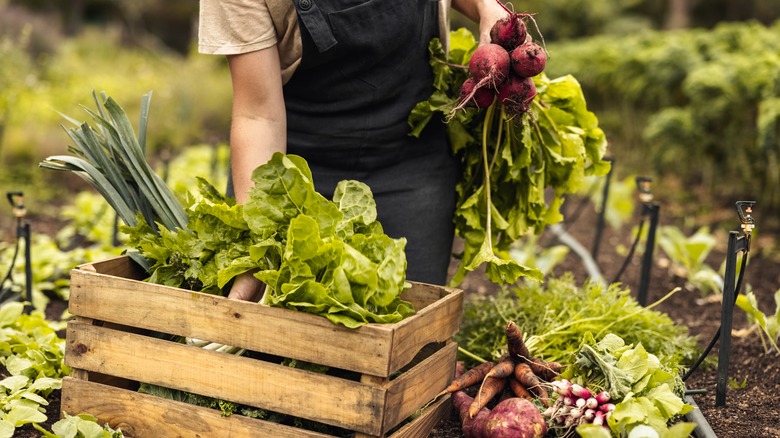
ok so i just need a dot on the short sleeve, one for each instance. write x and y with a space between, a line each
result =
229 27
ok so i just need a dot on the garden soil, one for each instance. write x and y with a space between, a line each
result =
752 408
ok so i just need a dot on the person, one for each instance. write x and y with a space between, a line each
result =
334 81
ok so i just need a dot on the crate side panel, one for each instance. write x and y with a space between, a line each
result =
428 419
438 322
248 325
327 399
142 415
420 385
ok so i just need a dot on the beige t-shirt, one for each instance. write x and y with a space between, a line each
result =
230 27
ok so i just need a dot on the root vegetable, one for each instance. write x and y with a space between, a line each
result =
519 390
529 59
469 378
472 427
489 65
547 371
527 378
515 418
490 387
509 32
480 98
504 368
516 94
514 340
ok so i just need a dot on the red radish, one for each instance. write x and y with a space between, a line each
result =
528 59
509 32
516 94
480 98
602 397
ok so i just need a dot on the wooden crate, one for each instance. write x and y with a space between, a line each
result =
387 372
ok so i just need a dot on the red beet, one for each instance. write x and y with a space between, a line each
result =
509 32
480 98
490 64
516 94
528 59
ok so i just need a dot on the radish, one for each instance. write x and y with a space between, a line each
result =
516 94
528 59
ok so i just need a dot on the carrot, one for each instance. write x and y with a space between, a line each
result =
527 378
514 341
545 370
460 368
504 368
519 390
491 386
469 378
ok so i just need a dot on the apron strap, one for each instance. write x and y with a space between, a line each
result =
311 16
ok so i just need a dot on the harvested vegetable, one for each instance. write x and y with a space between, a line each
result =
473 426
490 388
470 378
515 418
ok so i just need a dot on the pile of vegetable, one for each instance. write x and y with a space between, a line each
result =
515 384
327 257
517 165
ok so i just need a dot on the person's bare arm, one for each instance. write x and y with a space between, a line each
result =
259 125
484 12
258 129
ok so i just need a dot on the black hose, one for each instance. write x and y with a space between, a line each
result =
716 336
630 252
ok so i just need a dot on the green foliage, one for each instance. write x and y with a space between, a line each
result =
79 426
666 97
555 318
688 255
768 325
641 386
516 170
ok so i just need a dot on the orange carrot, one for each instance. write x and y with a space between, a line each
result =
527 378
547 371
504 368
514 341
469 378
519 390
491 386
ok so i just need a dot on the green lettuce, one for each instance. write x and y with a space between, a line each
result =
327 257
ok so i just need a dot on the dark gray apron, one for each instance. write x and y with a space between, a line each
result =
365 65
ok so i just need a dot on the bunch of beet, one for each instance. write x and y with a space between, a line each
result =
513 383
503 69
577 405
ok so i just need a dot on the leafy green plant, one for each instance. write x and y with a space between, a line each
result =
556 316
768 325
688 255
516 170
79 426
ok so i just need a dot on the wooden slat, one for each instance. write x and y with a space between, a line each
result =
424 424
141 415
330 400
418 386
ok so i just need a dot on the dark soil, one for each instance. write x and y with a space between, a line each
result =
752 408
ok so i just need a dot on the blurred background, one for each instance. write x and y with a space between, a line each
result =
688 91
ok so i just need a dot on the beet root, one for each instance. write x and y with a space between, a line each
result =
515 418
509 32
489 64
516 94
528 59
480 98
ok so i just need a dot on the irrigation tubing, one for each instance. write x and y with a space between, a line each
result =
716 336
630 252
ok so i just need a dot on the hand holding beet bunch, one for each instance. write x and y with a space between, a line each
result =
503 68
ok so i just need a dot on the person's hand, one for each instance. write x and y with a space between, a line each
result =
247 287
489 13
